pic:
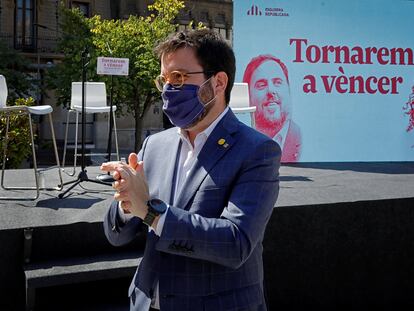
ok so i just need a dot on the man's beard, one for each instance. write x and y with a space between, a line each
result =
206 91
270 127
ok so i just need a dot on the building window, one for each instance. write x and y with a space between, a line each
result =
24 20
221 31
204 18
185 27
82 6
220 18
220 26
185 15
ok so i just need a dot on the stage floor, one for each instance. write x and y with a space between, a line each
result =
300 185
86 202
326 183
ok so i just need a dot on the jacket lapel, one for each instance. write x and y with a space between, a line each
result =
168 171
217 144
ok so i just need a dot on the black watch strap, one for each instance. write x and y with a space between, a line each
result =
150 217
155 208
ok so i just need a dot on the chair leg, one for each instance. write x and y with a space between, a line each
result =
34 155
5 143
34 165
116 137
76 142
60 186
66 143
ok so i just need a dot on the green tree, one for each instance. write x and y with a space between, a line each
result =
76 38
15 68
134 38
18 147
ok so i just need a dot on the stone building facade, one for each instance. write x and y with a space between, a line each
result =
32 28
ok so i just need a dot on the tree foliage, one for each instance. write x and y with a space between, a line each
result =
76 37
133 38
14 68
18 147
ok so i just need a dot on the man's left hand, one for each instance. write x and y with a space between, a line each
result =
130 184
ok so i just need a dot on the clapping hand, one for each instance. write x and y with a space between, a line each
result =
130 185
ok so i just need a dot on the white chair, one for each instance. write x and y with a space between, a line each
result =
26 111
95 102
240 103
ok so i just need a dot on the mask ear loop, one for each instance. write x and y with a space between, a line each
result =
198 94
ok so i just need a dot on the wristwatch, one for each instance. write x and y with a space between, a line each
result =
155 207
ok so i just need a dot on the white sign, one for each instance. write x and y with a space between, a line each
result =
113 66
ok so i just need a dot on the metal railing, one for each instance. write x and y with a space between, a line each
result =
45 44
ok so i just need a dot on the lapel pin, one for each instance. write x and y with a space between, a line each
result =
222 142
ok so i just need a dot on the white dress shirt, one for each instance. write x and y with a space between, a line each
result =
188 156
280 137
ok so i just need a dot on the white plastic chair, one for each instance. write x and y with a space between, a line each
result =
28 111
95 102
240 103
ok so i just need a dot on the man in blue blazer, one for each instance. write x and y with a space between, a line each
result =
203 190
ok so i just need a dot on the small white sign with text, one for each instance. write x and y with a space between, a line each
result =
113 66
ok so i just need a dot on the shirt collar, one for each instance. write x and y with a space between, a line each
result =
183 133
282 133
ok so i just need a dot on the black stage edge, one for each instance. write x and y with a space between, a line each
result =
341 237
341 256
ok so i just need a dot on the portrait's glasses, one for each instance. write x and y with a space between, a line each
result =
175 78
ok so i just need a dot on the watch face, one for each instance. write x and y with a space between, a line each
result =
158 205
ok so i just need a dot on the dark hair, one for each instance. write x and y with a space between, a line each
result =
212 51
257 61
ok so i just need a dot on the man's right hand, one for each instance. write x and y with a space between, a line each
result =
112 167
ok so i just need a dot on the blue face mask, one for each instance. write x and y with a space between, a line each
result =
182 105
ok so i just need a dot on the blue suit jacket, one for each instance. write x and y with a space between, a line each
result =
209 255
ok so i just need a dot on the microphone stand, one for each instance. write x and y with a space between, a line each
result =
83 176
111 121
107 178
